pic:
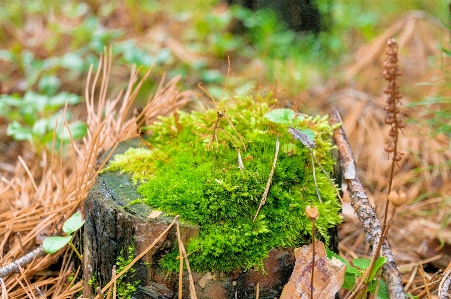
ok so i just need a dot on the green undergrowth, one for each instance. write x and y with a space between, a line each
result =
190 169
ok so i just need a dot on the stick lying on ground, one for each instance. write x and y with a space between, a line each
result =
365 212
23 261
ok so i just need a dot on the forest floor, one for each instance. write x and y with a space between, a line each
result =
40 188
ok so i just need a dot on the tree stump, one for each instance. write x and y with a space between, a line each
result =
112 227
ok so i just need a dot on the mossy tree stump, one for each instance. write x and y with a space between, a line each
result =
113 226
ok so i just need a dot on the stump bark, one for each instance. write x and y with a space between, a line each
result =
113 226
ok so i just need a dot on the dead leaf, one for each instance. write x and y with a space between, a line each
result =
328 276
154 214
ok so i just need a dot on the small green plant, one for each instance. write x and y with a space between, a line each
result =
358 269
55 243
34 117
93 280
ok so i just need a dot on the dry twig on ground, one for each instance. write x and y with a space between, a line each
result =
359 200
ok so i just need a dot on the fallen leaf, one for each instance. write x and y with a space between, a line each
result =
154 214
328 275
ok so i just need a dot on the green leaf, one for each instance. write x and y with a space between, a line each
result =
281 116
40 127
310 134
53 244
377 265
78 130
349 281
49 84
411 296
72 61
382 292
59 100
349 269
73 223
18 132
361 263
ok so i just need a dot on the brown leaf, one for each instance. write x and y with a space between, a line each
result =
328 274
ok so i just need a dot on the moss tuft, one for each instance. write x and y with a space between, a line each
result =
207 187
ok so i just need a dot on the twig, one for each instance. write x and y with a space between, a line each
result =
443 289
365 212
185 257
310 145
425 281
314 179
268 184
3 288
23 261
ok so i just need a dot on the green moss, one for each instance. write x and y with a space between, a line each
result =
126 289
198 177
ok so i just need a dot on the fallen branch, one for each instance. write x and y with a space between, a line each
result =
444 288
365 212
23 261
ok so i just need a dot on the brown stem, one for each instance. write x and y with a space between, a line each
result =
365 212
313 259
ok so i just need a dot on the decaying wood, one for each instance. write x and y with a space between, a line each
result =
365 212
23 261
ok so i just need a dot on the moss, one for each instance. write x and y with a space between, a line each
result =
192 170
126 289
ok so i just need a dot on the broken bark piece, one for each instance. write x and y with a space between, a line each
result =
365 212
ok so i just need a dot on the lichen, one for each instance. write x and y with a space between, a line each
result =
191 169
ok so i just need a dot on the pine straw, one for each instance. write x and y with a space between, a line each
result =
37 200
423 173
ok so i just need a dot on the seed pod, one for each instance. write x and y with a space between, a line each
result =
389 119
389 108
397 157
387 75
393 196
401 123
398 95
397 198
389 148
402 196
388 64
312 213
388 90
393 132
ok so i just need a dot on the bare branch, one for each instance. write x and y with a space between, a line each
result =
23 261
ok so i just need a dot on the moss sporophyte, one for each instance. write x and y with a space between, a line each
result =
182 172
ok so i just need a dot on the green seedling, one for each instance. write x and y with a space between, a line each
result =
34 117
55 243
375 284
358 270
